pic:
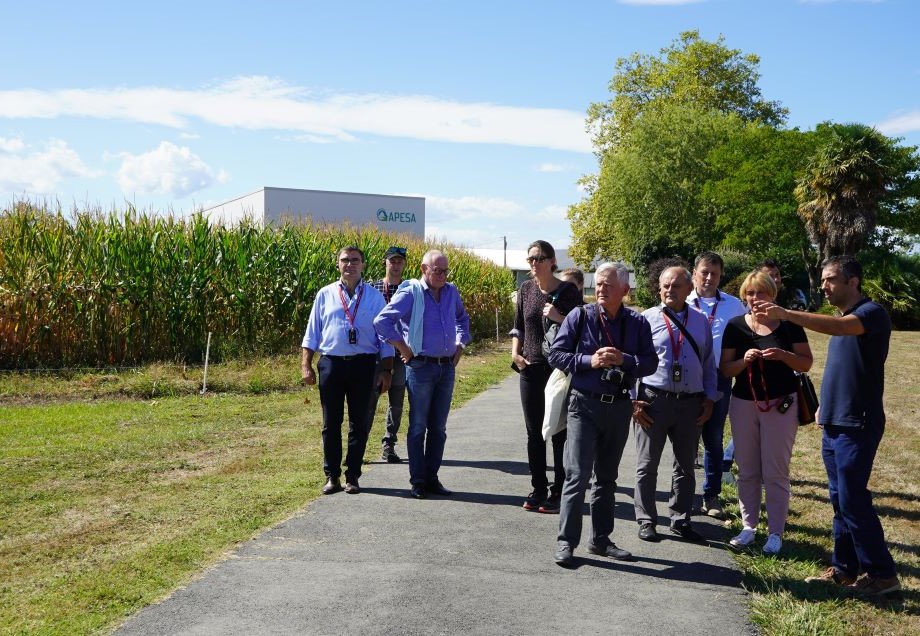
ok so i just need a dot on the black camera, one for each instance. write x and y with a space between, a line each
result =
614 375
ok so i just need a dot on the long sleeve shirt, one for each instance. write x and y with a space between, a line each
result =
718 309
630 333
329 325
445 324
672 347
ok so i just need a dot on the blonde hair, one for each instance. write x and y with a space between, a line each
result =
758 281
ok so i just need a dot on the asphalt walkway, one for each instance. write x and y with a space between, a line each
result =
475 563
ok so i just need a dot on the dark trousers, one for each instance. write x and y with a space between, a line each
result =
533 383
396 397
342 381
859 541
713 434
597 436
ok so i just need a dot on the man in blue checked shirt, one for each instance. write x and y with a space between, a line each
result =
341 329
427 324
673 403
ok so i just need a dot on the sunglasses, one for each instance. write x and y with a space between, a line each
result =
401 251
437 271
537 259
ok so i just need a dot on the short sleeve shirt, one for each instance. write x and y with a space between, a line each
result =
854 376
777 376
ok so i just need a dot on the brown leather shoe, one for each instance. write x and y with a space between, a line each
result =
351 486
332 485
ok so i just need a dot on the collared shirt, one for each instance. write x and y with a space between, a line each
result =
696 376
328 327
445 324
385 289
718 309
639 358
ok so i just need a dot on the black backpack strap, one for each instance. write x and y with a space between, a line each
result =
667 310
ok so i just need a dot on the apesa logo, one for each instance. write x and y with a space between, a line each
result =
388 216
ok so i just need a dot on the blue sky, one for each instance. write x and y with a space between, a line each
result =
477 106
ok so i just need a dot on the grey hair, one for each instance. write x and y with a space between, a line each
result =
622 272
431 256
683 270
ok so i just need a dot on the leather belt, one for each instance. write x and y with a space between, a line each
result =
357 356
668 395
606 398
441 360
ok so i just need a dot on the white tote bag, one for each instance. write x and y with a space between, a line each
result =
557 403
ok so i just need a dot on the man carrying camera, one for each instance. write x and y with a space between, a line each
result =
614 349
673 403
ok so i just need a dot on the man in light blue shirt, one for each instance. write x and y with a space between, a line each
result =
673 403
341 329
427 324
719 308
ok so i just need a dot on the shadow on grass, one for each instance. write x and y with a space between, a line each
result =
905 602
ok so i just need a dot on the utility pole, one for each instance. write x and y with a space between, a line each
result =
505 250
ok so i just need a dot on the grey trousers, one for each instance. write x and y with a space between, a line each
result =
597 433
675 420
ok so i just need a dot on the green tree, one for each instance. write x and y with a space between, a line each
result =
856 177
690 71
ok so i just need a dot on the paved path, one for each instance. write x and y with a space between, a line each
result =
382 563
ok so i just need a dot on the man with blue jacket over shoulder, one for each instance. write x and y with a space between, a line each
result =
614 349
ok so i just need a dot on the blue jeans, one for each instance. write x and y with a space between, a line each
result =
713 434
431 387
859 541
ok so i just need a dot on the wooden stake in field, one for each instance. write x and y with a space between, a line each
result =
207 354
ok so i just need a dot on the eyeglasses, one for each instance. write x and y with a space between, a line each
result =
438 270
397 250
349 261
537 259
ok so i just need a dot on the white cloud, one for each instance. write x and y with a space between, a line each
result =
168 169
38 172
479 209
906 123
260 103
553 167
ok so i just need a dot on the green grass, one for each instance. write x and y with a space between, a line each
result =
109 503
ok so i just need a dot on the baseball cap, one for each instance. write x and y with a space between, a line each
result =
395 251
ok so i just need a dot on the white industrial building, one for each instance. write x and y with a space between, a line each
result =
274 206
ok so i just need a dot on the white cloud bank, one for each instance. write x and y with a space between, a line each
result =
260 103
906 123
38 172
168 169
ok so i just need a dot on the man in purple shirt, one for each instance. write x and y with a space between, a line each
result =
427 324
614 350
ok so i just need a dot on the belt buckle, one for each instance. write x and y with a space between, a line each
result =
607 398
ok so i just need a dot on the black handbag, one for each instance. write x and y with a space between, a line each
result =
807 399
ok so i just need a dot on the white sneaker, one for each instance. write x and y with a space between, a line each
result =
745 537
773 544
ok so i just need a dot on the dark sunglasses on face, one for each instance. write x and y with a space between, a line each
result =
537 259
397 250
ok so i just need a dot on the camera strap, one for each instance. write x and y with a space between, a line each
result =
670 314
622 319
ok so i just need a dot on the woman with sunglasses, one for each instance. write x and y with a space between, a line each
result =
763 356
542 304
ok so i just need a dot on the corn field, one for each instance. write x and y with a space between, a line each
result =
123 288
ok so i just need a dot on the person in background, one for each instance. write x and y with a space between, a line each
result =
542 304
672 403
719 308
394 261
763 354
576 277
428 325
341 329
852 417
614 350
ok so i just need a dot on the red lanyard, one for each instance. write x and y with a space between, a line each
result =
676 345
600 319
712 314
763 383
348 315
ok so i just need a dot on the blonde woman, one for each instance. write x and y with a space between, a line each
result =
763 354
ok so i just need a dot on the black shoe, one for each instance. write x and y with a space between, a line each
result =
563 556
388 454
535 499
551 505
351 486
332 485
685 531
611 550
437 488
417 491
647 531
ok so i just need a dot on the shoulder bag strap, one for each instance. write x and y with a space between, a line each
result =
683 330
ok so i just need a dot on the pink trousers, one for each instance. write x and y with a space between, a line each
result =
763 448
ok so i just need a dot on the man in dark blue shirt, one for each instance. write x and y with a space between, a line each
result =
615 349
853 420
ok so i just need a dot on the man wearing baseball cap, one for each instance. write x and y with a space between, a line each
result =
395 262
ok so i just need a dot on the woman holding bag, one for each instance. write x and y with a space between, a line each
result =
542 304
763 356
